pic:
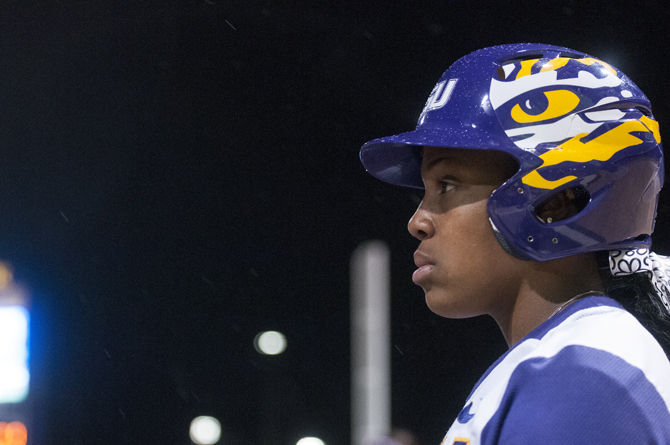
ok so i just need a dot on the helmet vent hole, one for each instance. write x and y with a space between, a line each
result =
522 57
623 106
563 205
570 55
644 110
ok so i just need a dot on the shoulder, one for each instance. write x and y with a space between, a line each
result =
580 394
596 375
606 338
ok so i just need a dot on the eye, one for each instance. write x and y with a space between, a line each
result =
557 103
446 186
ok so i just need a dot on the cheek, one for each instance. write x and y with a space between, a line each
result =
467 232
475 248
473 266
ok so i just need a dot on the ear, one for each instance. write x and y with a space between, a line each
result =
563 205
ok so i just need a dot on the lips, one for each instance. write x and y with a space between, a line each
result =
425 266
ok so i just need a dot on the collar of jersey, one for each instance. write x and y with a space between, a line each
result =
552 322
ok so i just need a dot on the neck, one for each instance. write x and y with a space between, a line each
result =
545 290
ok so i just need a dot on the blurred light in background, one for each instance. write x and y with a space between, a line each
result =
205 430
15 406
6 275
310 441
14 374
270 343
13 433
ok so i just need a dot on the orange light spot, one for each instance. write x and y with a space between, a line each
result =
13 433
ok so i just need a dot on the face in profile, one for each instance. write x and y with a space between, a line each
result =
460 265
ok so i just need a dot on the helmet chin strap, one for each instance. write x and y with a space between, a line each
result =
656 267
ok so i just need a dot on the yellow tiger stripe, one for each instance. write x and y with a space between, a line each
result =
591 61
555 64
652 125
601 148
526 65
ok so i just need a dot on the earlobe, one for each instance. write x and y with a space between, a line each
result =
555 208
562 205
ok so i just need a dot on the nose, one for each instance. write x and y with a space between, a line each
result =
420 225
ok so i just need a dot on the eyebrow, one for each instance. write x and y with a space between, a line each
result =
444 158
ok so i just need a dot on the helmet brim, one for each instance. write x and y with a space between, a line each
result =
397 159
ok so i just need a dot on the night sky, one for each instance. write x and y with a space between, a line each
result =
180 175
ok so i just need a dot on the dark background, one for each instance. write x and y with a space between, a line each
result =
180 175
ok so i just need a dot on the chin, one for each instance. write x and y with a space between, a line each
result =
448 306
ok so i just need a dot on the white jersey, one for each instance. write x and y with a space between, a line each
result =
590 374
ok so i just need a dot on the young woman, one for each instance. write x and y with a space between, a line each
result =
541 167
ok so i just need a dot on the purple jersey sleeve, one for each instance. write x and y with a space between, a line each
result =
581 395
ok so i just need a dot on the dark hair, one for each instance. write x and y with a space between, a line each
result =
637 295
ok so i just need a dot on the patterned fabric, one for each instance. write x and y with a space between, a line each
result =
656 267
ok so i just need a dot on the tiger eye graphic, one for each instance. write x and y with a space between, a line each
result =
558 103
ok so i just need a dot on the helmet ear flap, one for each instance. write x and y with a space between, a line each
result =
507 247
563 204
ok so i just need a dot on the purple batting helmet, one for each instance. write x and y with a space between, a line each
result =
571 122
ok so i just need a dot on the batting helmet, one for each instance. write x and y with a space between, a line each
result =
571 122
